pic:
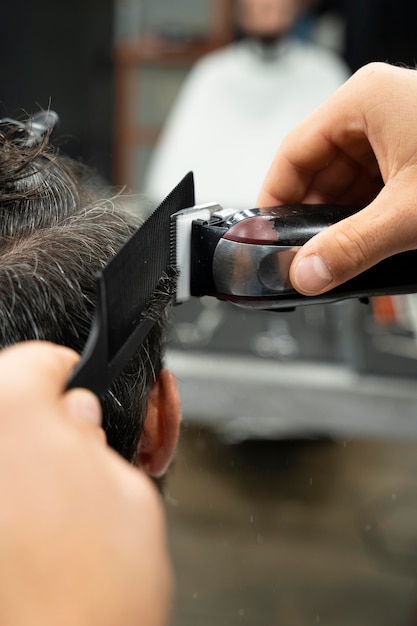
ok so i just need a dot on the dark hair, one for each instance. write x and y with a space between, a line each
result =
58 227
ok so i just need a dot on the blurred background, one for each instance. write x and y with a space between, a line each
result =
293 500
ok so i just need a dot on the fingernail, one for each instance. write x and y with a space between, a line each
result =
312 275
85 406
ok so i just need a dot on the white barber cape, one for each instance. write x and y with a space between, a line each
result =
234 109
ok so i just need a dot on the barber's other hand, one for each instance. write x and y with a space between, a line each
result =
81 531
360 148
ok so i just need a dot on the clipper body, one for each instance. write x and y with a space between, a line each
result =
245 256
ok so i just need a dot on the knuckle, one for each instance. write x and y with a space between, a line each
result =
373 70
352 251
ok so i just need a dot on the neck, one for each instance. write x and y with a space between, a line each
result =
266 48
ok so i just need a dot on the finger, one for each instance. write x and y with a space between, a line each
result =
335 132
347 248
344 181
304 152
35 369
81 405
82 409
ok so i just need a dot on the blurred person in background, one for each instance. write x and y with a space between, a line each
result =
240 101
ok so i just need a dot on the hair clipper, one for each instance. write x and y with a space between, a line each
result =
244 257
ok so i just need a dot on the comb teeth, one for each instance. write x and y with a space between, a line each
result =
173 242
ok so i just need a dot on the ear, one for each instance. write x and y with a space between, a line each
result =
161 429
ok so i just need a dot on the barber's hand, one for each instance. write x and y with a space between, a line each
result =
81 531
360 148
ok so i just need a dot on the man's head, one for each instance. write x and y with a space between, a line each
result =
267 19
58 228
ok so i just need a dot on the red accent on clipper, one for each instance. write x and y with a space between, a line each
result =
259 229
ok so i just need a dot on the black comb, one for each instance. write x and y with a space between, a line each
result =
123 291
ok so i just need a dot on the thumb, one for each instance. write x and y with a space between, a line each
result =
330 258
345 249
81 405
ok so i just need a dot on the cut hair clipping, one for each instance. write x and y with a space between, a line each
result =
32 131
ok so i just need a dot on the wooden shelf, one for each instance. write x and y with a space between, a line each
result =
155 51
